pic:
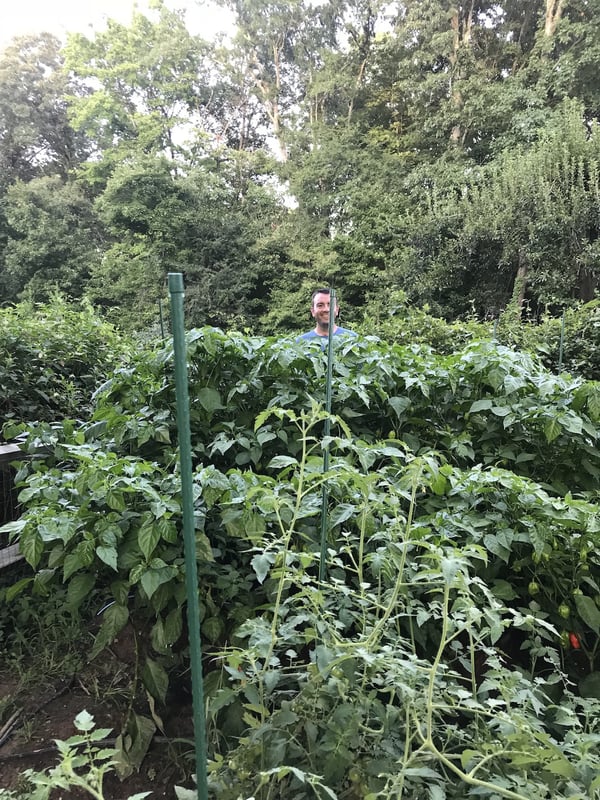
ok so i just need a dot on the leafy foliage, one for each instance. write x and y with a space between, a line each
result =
454 642
53 358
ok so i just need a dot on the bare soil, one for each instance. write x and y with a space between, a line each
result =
45 710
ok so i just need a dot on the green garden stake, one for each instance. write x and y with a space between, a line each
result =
327 430
162 324
189 535
562 342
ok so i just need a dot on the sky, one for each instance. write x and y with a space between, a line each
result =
21 17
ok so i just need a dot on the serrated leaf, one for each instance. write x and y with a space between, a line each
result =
84 721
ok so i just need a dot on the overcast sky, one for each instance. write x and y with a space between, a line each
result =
19 17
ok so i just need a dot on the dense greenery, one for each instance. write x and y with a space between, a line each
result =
454 643
449 151
52 357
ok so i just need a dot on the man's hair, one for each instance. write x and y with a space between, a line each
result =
324 290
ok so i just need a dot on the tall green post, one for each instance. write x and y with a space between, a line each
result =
189 535
327 431
562 342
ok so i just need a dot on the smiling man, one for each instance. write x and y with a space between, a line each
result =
319 309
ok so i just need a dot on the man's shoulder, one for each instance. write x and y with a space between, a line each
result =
308 335
347 331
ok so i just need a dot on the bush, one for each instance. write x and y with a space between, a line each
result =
52 357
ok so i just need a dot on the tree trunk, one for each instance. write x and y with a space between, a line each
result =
520 288
554 9
461 25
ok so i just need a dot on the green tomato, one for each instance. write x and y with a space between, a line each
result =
533 588
564 610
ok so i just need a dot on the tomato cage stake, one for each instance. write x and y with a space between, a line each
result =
189 536
326 432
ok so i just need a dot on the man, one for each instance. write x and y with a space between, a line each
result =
319 309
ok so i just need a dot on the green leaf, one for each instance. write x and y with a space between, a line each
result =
148 535
154 577
552 430
210 399
108 555
588 611
133 746
261 564
155 679
32 546
281 462
116 500
481 405
114 620
399 404
72 563
84 722
79 588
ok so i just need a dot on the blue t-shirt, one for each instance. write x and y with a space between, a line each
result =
313 335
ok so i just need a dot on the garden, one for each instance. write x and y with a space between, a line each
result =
447 646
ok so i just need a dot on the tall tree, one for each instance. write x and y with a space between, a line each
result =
139 89
35 135
53 239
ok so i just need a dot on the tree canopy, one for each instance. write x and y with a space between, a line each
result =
447 151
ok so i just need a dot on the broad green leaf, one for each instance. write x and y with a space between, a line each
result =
281 462
399 404
108 555
588 611
72 563
32 546
79 588
552 430
481 405
114 620
148 535
17 588
155 679
153 578
210 399
261 564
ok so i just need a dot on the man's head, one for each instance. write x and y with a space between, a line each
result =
319 308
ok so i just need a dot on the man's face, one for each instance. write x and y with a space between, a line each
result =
320 309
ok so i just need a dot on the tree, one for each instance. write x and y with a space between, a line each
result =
524 227
197 224
139 89
35 135
53 239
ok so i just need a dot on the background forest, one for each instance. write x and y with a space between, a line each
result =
446 151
